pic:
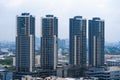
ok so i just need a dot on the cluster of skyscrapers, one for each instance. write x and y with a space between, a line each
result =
25 42
78 41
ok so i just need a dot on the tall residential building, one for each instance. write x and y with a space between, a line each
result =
96 42
25 43
77 41
49 42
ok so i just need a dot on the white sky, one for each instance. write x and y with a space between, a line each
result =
109 10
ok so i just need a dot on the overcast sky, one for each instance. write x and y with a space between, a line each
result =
109 10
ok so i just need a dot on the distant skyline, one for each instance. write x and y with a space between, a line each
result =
63 9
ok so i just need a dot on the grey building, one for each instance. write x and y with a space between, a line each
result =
25 43
104 73
77 41
96 42
49 42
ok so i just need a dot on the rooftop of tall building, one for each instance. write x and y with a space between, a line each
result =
96 18
25 14
78 17
49 15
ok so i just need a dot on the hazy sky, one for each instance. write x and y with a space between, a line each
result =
109 10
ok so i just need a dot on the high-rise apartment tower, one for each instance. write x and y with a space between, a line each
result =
25 43
96 42
77 41
49 42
